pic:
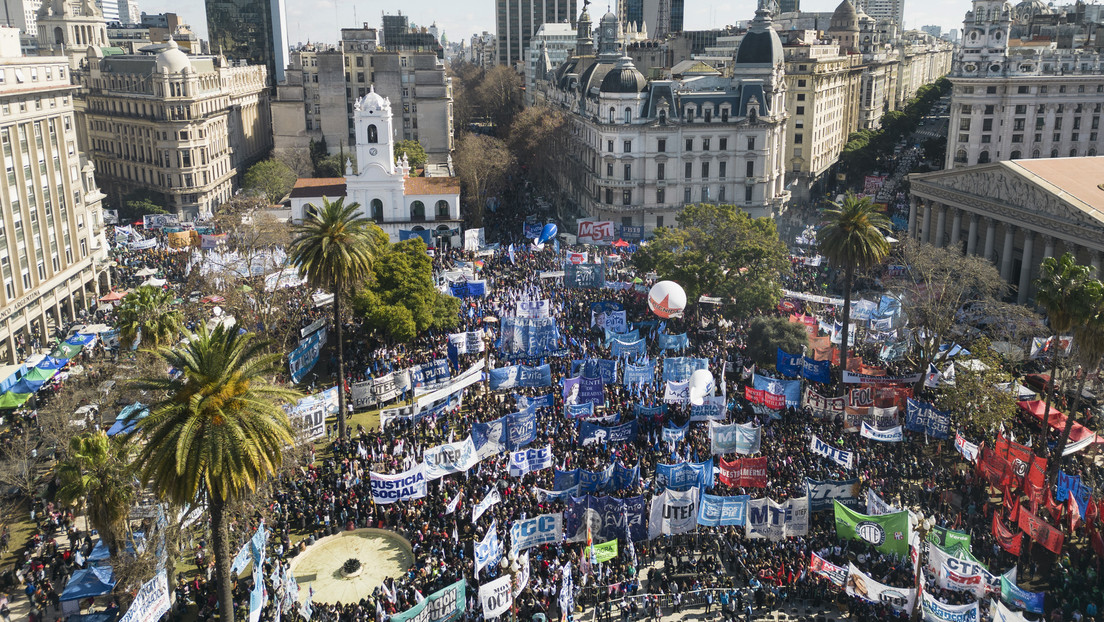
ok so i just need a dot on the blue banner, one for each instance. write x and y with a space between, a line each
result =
531 231
790 388
430 373
581 390
515 376
468 289
714 511
640 410
674 435
682 476
592 433
1018 597
817 371
606 369
923 417
673 342
823 493
585 481
529 460
584 276
607 518
579 411
632 349
679 368
788 364
631 233
303 358
533 337
638 374
629 336
540 401
1072 483
624 477
423 235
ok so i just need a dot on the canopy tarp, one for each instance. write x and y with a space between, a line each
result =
89 582
99 616
52 362
112 296
80 339
1056 419
40 375
66 351
26 385
13 400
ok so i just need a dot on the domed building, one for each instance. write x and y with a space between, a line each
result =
175 126
844 25
649 145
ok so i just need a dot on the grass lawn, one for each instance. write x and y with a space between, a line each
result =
20 531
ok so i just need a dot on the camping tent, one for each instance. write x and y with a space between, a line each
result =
89 582
13 400
128 419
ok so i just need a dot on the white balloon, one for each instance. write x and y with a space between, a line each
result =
667 299
701 385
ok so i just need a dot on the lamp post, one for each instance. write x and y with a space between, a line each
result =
510 566
923 526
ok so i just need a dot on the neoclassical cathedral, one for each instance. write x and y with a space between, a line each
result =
642 149
400 204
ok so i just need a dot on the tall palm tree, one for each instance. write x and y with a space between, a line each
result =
218 432
1060 290
148 311
97 473
1088 338
854 237
334 248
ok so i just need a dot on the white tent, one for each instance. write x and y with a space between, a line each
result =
145 272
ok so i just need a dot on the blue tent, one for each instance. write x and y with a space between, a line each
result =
128 419
89 582
80 340
51 363
99 616
100 552
26 386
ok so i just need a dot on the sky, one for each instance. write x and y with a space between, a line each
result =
322 20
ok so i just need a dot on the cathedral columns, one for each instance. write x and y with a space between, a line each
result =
940 225
1026 265
971 237
956 227
1006 256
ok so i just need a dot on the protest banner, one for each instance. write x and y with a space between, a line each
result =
861 585
673 513
737 438
450 458
443 605
398 487
936 611
744 472
714 510
767 519
530 532
888 533
841 457
822 493
828 570
151 602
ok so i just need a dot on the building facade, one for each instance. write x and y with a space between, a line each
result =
518 20
310 102
69 28
1020 102
254 31
178 127
400 204
1014 213
641 149
53 256
886 9
549 47
658 18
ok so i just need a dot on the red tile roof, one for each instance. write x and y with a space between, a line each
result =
431 185
314 187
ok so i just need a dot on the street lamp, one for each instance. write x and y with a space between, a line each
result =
510 566
923 525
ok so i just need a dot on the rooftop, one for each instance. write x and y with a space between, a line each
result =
430 185
318 187
1076 180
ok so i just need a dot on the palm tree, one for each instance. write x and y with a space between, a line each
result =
334 248
854 237
1060 291
218 432
97 473
1088 337
148 313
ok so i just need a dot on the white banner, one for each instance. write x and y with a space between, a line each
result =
309 423
968 450
533 308
530 532
889 435
496 597
474 239
488 551
841 457
400 486
521 579
151 602
470 342
673 513
492 498
1001 613
876 506
860 585
470 376
450 458
935 611
529 460
767 519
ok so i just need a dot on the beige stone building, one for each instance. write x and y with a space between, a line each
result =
1014 213
53 257
175 126
310 104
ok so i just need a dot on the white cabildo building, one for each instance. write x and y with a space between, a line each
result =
400 204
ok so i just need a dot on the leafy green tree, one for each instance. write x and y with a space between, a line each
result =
148 311
136 207
216 433
1062 290
766 334
1088 339
974 394
271 179
415 153
400 301
330 166
97 473
718 250
854 238
334 248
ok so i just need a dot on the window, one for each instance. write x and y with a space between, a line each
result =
750 168
1054 153
798 139
662 146
721 194
751 143
1017 125
991 90
989 109
801 110
964 125
689 144
377 210
373 134
686 195
609 196
1017 138
626 197
705 170
1021 109
705 144
722 143
1015 155
609 170
628 146
661 170
442 210
748 190
689 170
628 172
800 97
800 83
1022 90
1043 89
722 169
659 221
987 125
417 211
661 195
628 115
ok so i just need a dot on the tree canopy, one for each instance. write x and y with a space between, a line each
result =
400 300
718 250
766 334
415 153
271 179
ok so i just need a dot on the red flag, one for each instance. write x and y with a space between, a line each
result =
1008 541
1097 544
1041 531
744 472
1014 515
994 468
1054 507
1009 499
1092 512
1074 513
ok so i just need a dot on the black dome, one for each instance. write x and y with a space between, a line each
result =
623 80
760 47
